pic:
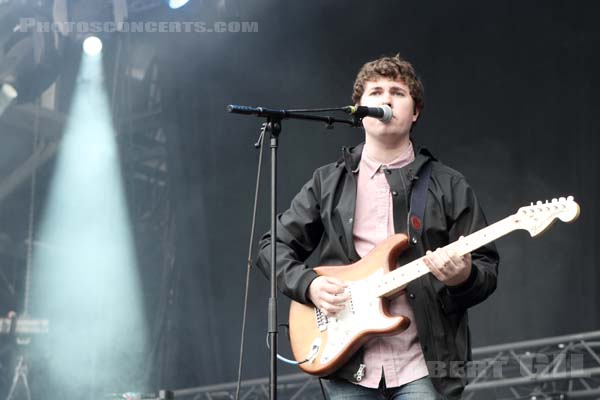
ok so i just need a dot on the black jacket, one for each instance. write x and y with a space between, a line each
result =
321 216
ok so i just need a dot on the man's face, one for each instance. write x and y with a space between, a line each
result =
397 95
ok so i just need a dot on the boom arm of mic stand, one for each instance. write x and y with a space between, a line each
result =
285 114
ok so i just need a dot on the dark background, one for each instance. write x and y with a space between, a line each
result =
511 102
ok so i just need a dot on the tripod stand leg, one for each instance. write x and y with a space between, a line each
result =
20 375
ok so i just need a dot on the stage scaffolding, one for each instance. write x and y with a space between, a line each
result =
561 367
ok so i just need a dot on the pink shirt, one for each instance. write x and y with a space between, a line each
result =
398 357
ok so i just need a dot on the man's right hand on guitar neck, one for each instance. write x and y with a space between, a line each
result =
327 294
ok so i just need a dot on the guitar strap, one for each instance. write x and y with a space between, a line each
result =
418 200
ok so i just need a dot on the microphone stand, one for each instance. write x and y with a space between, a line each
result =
273 127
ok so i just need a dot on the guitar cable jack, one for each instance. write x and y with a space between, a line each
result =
279 356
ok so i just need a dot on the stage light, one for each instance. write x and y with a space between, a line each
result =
30 63
177 3
8 94
92 46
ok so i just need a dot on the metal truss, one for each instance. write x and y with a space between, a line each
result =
141 135
563 367
289 387
137 6
25 120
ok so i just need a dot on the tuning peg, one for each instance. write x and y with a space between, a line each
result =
555 200
562 199
539 203
570 198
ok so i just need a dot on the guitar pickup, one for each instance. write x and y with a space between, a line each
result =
350 302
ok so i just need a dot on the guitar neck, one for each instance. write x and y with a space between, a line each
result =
396 280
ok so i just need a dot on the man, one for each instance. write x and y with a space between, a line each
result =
350 206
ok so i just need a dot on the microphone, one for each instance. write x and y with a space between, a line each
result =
383 113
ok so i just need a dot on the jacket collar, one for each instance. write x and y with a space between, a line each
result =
371 167
351 158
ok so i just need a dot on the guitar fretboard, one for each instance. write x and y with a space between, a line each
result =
396 280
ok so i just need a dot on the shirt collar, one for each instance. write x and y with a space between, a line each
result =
371 167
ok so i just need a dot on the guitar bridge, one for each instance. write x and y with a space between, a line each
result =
321 320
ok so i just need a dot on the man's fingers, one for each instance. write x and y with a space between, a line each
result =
333 289
333 299
432 265
439 260
456 259
329 308
336 281
328 294
448 266
452 260
331 312
446 258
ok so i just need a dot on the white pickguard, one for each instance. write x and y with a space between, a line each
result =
362 312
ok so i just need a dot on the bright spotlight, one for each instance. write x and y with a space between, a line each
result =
7 94
9 91
92 46
177 3
86 278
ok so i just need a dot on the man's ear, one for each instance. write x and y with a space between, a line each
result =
416 114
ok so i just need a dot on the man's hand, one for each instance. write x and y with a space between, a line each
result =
447 267
327 294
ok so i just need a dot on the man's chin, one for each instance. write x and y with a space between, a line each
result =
387 134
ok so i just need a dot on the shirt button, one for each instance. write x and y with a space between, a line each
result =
411 295
394 193
424 347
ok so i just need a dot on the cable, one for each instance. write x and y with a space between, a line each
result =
282 358
322 389
31 221
260 145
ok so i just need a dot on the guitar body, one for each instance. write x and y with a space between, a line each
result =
327 343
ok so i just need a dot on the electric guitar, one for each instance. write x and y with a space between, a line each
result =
322 344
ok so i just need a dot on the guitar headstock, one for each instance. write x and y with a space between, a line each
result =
538 217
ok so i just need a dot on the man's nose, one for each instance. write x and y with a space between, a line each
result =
386 99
